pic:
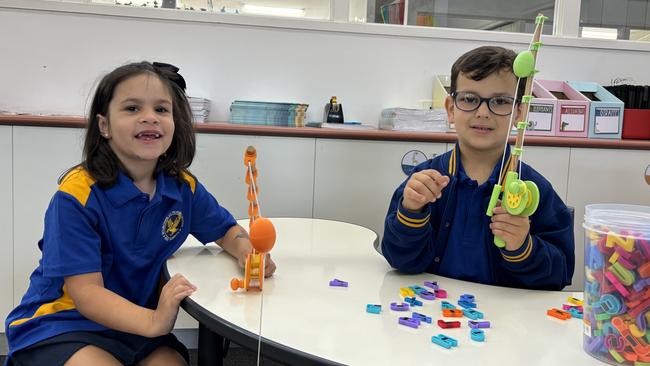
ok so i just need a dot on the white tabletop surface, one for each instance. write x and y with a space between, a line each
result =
301 311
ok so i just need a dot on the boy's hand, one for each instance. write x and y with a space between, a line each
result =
164 317
512 229
423 187
269 264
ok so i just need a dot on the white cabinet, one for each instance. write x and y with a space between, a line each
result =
355 179
285 166
6 225
552 163
40 156
604 176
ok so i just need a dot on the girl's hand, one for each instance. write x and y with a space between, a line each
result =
174 291
512 229
269 264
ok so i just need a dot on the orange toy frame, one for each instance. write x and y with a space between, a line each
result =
261 231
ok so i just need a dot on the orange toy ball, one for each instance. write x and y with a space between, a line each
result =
262 234
235 284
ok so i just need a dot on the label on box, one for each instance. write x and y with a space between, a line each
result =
540 117
606 120
572 118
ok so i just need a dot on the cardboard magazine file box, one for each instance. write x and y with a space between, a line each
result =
572 112
441 87
636 124
605 110
541 115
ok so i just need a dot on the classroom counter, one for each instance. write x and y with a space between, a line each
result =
330 133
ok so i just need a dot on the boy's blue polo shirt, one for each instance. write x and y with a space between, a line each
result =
464 257
416 242
118 231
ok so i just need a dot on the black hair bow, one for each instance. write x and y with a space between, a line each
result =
171 72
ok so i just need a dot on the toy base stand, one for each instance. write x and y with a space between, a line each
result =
253 273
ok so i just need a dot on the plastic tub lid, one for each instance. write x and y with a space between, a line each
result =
630 220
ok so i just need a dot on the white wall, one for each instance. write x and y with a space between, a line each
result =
51 60
6 225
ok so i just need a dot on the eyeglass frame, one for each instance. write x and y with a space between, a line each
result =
486 100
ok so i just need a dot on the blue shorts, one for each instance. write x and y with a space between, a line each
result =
127 348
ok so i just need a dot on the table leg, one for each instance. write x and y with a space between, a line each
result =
211 350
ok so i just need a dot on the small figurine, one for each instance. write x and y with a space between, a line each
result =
333 112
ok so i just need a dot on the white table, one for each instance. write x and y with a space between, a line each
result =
305 321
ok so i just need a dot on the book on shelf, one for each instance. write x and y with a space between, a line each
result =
200 108
393 12
268 113
407 119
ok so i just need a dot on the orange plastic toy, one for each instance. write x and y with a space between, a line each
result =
261 231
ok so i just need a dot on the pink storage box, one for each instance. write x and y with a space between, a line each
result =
571 116
541 115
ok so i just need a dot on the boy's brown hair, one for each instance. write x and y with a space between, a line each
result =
481 62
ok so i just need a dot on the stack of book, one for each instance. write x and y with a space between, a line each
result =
393 12
268 113
405 119
200 109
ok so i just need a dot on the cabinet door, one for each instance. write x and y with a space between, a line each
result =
41 155
552 163
604 176
355 180
6 225
285 166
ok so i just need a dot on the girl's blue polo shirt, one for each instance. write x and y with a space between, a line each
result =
118 231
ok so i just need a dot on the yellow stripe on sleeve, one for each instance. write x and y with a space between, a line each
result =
190 180
521 257
77 183
414 223
61 304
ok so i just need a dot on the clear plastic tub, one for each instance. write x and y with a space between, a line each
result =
617 283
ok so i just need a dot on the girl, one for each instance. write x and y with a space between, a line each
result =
94 298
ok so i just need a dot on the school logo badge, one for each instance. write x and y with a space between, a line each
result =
172 225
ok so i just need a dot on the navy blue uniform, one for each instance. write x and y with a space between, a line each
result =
118 231
451 237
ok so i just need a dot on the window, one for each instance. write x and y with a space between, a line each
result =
640 35
311 9
494 15
605 19
627 19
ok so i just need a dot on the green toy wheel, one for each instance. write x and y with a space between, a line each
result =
533 198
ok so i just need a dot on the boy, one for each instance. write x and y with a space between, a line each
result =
436 220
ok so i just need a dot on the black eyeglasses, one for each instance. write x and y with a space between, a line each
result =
469 102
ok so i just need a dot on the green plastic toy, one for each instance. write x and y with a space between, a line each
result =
520 198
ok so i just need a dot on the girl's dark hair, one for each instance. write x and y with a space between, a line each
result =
99 159
482 62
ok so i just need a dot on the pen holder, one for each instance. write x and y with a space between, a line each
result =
333 112
616 304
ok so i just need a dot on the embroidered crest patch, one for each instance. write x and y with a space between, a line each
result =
172 225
